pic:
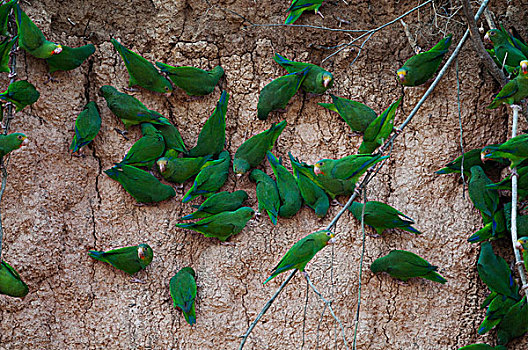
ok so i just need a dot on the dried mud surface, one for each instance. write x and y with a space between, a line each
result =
57 207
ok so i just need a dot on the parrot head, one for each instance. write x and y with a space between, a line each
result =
330 236
162 164
485 154
190 271
402 73
240 167
145 253
319 167
491 35
522 244
57 50
327 80
21 138
524 67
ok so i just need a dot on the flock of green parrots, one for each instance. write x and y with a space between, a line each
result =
222 214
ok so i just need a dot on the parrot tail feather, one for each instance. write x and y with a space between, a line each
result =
435 277
96 255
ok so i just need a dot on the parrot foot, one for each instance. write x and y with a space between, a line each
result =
514 172
516 107
12 75
52 79
402 283
524 287
123 133
335 202
319 13
519 263
231 244
373 235
417 49
353 134
397 131
305 274
139 205
130 89
137 280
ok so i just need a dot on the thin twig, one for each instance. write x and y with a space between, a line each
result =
518 259
329 305
360 265
461 131
412 41
304 316
375 30
265 308
372 171
484 56
7 118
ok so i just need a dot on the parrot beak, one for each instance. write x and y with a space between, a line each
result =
483 157
519 246
331 241
141 253
239 176
25 142
487 38
401 75
162 165
317 171
326 81
57 50
524 67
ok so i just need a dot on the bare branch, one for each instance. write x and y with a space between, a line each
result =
483 55
328 304
412 41
518 259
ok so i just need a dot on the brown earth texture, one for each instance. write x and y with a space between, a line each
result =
57 207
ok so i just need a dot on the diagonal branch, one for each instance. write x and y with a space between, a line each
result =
483 55
373 171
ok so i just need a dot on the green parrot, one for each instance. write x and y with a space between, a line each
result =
183 293
87 126
402 265
515 149
194 81
495 272
141 185
471 158
5 10
516 40
497 309
70 58
522 183
486 200
11 283
179 170
297 7
128 259
31 39
379 130
499 224
172 137
313 195
522 221
5 51
141 72
481 346
505 52
210 179
218 203
267 194
129 109
514 324
317 80
522 244
21 93
222 225
302 252
515 90
339 176
147 149
357 115
253 151
11 142
420 68
381 216
289 193
211 139
277 94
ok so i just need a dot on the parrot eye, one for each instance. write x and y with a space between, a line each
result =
329 233
19 137
492 34
167 89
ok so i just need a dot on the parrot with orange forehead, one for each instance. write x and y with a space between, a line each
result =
515 149
522 245
11 142
31 39
317 79
128 259
515 90
420 68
